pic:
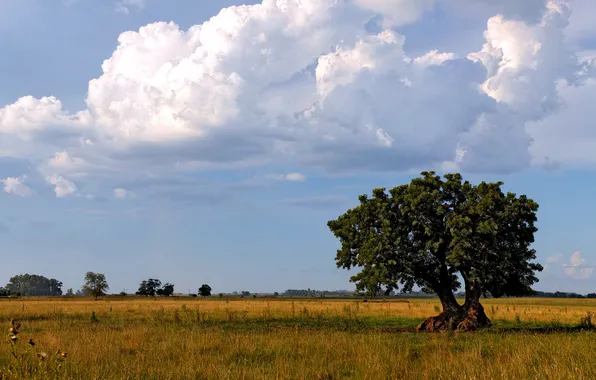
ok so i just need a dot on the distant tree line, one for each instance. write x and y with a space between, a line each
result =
312 293
96 285
153 287
562 295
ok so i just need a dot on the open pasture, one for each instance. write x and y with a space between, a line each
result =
233 338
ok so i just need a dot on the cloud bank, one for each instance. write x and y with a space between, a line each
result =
306 83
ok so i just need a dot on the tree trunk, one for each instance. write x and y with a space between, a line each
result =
469 317
475 317
449 318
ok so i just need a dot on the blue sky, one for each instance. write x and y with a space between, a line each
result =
214 149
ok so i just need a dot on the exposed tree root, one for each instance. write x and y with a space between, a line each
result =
459 321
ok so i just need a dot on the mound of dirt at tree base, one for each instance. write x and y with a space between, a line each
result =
473 320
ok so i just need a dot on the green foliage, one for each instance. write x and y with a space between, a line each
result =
153 287
205 290
586 322
428 232
33 285
93 317
166 290
95 284
149 287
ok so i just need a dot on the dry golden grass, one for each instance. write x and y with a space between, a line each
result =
527 309
294 339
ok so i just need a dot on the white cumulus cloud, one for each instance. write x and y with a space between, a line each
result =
16 186
577 269
120 193
63 187
292 177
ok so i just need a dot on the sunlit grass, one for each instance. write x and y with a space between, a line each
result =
299 339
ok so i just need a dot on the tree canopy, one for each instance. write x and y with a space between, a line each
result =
166 290
95 284
205 290
439 234
33 285
149 287
153 287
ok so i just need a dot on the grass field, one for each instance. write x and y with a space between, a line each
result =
189 338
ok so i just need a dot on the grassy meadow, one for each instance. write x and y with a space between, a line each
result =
190 338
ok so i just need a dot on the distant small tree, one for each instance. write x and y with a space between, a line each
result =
275 294
167 290
123 294
591 295
245 293
95 284
69 292
205 290
142 291
4 292
149 288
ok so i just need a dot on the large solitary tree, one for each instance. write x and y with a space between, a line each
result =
439 234
95 284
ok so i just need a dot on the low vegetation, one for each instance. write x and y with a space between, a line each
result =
290 338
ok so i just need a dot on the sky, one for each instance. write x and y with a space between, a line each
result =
211 141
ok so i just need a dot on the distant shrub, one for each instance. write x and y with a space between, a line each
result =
93 317
586 322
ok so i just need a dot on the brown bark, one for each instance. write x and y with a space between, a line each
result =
475 317
449 318
469 317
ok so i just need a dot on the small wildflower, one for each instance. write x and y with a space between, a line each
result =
61 354
13 331
42 356
13 338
